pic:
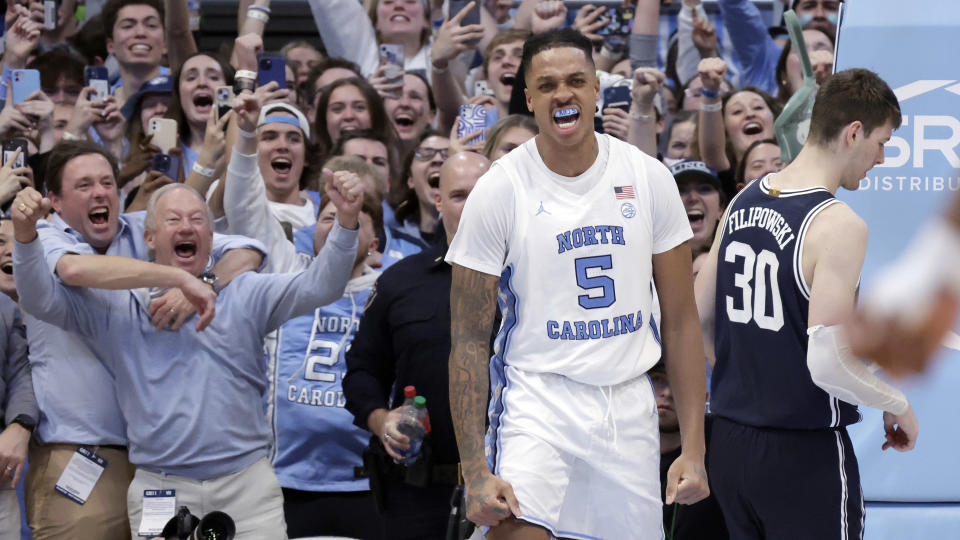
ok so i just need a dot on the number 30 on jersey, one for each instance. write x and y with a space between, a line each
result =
757 282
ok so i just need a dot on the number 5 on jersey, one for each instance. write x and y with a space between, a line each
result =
753 299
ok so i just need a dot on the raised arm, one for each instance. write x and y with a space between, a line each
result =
347 32
752 45
643 36
245 196
324 281
643 116
473 298
713 135
452 40
180 42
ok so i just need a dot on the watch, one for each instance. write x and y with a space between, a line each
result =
211 279
26 421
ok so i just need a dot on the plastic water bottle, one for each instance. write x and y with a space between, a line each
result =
413 425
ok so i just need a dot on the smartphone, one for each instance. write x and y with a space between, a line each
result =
392 56
272 68
617 97
164 131
476 118
224 98
480 88
96 78
9 147
620 22
168 164
50 10
472 16
25 82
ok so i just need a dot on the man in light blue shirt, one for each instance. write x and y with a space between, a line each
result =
75 391
191 398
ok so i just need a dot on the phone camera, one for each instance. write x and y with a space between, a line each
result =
266 63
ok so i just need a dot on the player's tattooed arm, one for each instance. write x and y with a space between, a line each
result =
473 295
472 306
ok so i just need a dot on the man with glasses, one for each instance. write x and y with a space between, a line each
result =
412 227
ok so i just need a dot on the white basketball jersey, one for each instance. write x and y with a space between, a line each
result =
575 259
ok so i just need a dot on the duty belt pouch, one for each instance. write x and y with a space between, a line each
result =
418 473
373 463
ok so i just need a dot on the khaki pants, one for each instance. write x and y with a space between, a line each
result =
55 517
9 514
252 497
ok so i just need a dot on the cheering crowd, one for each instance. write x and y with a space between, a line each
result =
228 268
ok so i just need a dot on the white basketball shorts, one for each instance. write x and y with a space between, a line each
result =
583 460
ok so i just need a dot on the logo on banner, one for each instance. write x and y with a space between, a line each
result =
925 148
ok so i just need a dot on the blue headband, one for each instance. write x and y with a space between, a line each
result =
283 120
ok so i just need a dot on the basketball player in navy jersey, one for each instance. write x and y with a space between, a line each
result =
777 286
572 448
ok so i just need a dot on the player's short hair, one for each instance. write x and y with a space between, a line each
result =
849 96
502 37
563 37
63 152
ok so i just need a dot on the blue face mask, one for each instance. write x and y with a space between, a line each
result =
807 17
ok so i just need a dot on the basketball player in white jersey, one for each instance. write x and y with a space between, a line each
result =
572 225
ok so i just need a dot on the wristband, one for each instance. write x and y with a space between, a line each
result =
258 15
203 171
239 85
709 94
245 74
439 69
638 116
265 9
711 107
246 134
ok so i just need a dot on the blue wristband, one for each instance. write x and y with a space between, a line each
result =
264 9
709 94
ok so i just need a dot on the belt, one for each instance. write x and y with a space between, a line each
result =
444 475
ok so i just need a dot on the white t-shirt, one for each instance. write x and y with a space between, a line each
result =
298 216
575 258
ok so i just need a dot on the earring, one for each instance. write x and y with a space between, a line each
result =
369 253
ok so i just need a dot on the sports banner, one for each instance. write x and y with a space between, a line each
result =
913 46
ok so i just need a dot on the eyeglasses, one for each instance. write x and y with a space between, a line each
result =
424 153
701 188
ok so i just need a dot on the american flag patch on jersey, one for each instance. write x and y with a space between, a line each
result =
624 192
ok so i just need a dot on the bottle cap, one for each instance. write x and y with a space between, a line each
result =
420 402
409 391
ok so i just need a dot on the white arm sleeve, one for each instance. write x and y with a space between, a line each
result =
839 373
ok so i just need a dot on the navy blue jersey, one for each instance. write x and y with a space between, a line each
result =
761 376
